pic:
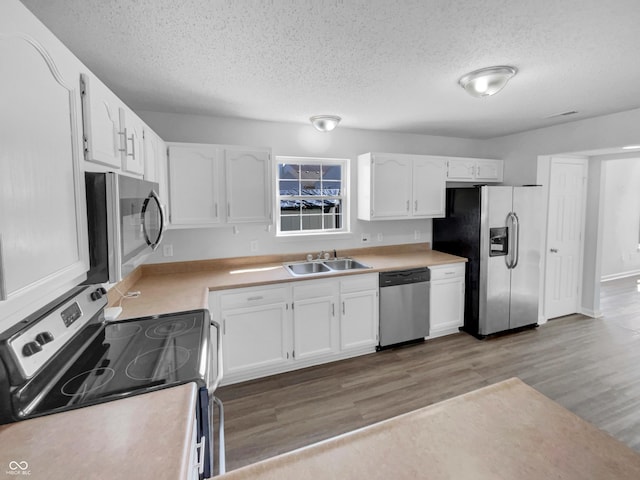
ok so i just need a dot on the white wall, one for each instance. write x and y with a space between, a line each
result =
296 140
621 218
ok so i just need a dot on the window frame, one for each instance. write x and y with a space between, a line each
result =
345 165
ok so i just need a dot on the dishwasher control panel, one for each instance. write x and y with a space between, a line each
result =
402 277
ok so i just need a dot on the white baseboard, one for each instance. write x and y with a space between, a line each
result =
616 276
591 313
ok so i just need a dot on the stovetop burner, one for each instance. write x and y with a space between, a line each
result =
87 382
171 328
159 363
122 330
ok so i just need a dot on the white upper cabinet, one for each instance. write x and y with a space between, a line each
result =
133 145
194 196
474 170
429 174
43 238
225 184
248 185
101 121
400 186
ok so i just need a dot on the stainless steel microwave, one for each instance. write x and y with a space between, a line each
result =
125 222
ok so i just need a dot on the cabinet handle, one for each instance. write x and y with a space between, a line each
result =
126 147
228 209
215 208
3 285
287 355
201 450
407 205
343 311
133 146
293 354
449 273
333 309
415 208
258 297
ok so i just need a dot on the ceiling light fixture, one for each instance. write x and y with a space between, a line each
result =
487 81
325 123
631 147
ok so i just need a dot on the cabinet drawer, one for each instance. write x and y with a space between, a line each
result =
441 272
358 283
314 289
250 298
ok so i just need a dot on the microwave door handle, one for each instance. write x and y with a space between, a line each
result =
152 196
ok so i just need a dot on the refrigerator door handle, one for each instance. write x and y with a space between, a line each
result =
515 252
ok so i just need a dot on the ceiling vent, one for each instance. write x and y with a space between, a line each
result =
563 114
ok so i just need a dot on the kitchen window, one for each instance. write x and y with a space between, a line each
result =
312 196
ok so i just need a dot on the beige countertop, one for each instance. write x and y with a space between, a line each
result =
143 436
174 287
505 431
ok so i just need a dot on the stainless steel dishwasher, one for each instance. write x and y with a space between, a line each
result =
404 306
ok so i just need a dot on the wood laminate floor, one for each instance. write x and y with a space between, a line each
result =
590 366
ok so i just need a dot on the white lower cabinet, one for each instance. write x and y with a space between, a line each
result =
446 303
315 320
359 312
273 329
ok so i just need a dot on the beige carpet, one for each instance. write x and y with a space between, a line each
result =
504 431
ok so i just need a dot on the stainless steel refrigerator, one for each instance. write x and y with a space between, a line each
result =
499 229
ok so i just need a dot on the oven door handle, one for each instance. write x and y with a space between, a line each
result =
214 385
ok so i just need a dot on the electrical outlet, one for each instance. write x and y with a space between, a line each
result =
254 245
365 238
380 237
167 250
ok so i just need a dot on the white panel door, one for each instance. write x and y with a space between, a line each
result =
193 185
248 185
101 120
315 327
565 224
461 169
358 319
429 187
391 186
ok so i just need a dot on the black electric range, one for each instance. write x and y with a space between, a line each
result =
67 356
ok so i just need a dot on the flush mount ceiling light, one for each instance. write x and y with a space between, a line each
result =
325 123
631 147
487 81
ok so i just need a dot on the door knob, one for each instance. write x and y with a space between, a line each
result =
553 250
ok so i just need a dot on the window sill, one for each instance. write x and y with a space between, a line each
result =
314 236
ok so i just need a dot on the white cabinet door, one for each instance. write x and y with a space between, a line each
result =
315 319
43 240
255 337
248 182
390 187
315 327
193 185
133 149
152 145
489 170
429 182
101 121
461 169
358 319
446 299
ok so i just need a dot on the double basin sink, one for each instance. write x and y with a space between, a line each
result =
316 267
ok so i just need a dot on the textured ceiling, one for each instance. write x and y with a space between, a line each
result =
388 65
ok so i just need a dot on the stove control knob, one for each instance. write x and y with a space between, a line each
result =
31 348
102 290
96 295
44 337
